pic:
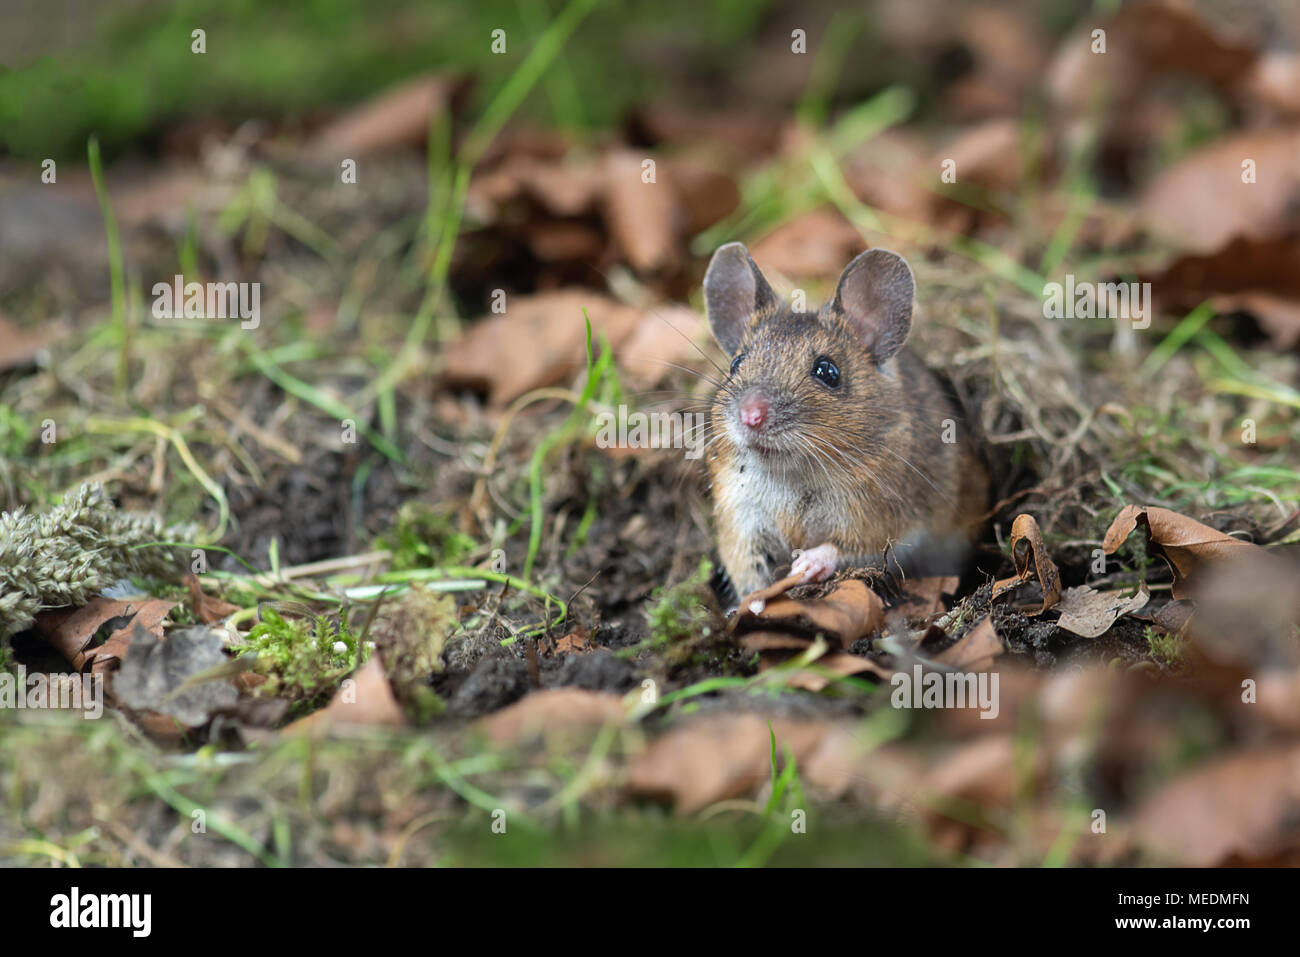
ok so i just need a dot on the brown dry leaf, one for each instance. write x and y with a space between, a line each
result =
1184 542
845 665
207 610
817 244
1167 37
980 778
559 241
705 193
1243 265
1019 688
641 215
849 611
892 172
1237 809
1089 613
778 628
744 136
666 337
1201 203
1031 559
922 598
70 631
563 189
1009 55
519 139
755 602
1010 48
160 727
557 709
18 347
1259 276
771 641
397 118
990 154
982 771
648 221
364 699
1071 701
844 760
710 759
574 643
539 341
975 650
1279 318
1144 40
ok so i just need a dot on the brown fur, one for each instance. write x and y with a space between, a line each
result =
862 466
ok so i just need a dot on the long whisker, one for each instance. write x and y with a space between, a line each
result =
807 452
884 447
709 379
848 470
660 316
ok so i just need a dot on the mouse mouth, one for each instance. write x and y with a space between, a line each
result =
766 445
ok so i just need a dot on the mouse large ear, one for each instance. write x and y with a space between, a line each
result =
734 290
875 297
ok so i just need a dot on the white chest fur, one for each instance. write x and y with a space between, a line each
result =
762 498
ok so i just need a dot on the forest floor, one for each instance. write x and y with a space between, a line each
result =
451 626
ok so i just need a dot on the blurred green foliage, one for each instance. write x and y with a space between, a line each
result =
134 71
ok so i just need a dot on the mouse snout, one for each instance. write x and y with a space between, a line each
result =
754 411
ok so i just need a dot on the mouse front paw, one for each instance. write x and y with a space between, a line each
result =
815 564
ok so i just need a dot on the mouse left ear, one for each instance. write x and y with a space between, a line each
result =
734 292
875 297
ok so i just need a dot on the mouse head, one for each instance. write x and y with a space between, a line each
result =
826 378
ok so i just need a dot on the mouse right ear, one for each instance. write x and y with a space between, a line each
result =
875 297
734 291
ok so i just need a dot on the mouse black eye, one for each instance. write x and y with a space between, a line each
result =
735 363
827 371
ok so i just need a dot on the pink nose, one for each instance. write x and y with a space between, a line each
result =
754 411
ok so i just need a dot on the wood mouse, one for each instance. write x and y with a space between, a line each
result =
829 442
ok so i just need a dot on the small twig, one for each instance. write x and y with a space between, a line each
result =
530 653
267 440
325 566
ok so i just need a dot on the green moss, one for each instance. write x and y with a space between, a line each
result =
1165 648
687 629
681 612
424 537
299 656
